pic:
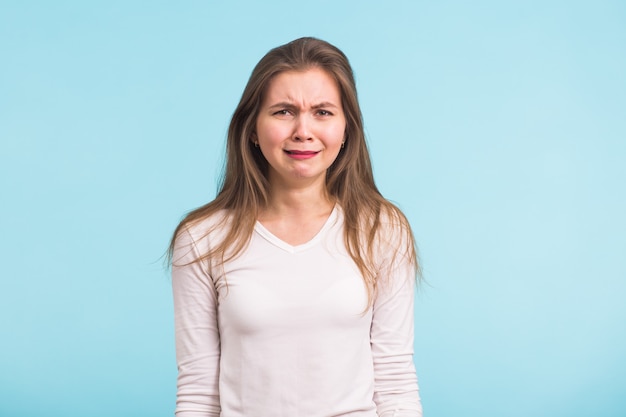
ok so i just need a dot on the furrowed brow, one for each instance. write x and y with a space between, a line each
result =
282 104
324 104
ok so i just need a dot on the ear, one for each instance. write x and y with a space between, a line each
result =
254 139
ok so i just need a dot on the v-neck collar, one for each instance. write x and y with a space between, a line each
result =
270 237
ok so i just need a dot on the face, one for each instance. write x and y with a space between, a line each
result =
300 127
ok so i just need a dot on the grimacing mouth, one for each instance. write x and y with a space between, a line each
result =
298 152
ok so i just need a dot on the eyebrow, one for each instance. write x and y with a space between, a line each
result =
315 106
324 104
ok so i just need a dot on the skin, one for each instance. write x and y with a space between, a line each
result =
300 130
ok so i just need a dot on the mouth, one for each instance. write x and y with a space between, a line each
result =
301 154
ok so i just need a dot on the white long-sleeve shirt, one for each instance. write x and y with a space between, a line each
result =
283 330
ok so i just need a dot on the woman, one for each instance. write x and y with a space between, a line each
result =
293 289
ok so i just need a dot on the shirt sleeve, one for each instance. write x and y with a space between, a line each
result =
196 332
396 392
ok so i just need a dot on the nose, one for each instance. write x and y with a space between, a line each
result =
302 129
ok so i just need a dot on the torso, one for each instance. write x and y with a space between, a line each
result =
294 327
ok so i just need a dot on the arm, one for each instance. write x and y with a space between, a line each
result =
196 331
396 391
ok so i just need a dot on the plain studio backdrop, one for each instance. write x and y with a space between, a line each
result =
499 127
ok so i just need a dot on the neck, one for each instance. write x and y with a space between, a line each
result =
302 202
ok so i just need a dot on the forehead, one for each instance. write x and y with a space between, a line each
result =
310 85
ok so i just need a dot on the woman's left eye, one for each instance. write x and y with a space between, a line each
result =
324 113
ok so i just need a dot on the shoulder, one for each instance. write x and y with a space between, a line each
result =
380 228
213 224
394 228
200 234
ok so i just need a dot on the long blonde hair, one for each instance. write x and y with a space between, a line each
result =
244 188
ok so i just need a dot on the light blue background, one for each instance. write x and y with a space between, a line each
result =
499 127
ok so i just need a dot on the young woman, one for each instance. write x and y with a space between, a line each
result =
293 289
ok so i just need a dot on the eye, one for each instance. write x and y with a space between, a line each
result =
282 112
324 113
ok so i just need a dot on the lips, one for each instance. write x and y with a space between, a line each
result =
301 152
295 154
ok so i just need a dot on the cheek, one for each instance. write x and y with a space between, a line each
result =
336 133
272 132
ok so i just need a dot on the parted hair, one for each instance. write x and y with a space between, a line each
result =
244 187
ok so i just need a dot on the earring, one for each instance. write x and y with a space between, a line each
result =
256 143
343 144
